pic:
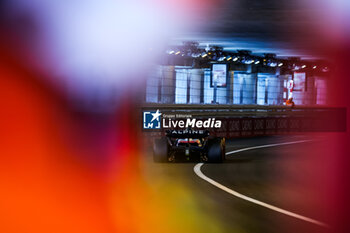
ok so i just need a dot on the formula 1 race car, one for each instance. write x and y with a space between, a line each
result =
189 145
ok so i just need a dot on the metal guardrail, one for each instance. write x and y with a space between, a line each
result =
257 120
239 110
224 106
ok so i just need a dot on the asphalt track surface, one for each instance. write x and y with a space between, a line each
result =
261 187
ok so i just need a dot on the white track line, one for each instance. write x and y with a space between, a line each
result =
264 146
197 170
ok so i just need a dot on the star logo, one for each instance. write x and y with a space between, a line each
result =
156 115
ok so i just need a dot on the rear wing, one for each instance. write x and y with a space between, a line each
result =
187 133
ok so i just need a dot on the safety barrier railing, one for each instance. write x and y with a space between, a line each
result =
257 120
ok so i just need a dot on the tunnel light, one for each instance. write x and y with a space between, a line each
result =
257 62
170 51
203 56
280 64
221 58
248 62
177 53
314 67
303 66
235 59
229 58
272 64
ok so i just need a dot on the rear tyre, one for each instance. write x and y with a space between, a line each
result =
160 150
216 150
